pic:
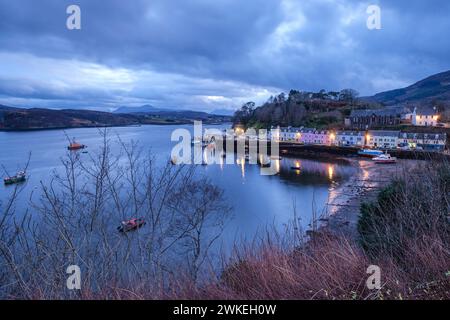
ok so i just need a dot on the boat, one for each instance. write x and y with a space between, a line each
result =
131 225
370 153
19 177
384 158
76 146
275 158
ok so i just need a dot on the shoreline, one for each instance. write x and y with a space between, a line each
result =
343 209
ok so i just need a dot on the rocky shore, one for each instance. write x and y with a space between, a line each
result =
345 201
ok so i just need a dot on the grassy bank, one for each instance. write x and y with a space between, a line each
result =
406 232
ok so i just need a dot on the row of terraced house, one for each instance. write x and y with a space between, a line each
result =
382 139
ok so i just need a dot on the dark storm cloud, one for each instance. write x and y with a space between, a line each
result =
208 54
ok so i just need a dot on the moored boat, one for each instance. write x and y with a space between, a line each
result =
131 225
370 153
76 146
385 158
19 177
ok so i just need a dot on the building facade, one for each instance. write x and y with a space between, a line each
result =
384 139
302 135
424 117
425 141
349 139
366 119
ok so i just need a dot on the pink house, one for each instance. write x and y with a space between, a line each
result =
313 136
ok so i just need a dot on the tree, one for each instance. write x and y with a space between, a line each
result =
245 114
348 95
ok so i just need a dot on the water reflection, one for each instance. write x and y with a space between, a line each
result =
330 172
290 169
257 200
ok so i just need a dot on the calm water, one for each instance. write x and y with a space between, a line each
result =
258 201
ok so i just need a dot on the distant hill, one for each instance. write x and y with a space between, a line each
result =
433 89
223 112
39 118
150 111
142 109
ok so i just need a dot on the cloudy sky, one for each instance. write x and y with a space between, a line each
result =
212 54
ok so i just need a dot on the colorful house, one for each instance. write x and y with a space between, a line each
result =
425 141
385 139
349 139
313 136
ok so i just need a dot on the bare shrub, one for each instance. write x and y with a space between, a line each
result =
73 222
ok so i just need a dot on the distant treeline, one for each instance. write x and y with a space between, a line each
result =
301 108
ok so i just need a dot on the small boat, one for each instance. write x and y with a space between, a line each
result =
131 225
76 146
384 158
19 177
369 153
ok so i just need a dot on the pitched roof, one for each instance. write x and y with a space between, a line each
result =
426 111
426 136
350 133
384 133
388 111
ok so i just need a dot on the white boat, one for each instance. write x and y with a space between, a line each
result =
385 158
370 153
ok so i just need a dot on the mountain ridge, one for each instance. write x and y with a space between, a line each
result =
432 89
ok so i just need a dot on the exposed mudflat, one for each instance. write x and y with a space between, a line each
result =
345 201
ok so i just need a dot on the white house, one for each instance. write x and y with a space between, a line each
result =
275 133
386 139
291 134
349 138
424 117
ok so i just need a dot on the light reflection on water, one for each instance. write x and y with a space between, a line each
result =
257 200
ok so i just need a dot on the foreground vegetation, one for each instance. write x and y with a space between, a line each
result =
406 232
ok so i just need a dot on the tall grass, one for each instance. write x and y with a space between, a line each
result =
405 232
